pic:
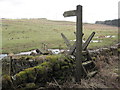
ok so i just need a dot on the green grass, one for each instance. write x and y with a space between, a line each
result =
26 34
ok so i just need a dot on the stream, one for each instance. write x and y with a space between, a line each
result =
54 51
2 56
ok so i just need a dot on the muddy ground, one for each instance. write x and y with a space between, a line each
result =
108 76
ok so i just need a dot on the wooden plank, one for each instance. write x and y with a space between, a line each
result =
84 46
91 74
87 62
67 42
72 49
69 13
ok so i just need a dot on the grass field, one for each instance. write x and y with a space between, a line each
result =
26 34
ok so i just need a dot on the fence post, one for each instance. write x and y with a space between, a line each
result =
79 44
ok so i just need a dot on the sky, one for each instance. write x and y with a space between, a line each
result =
93 10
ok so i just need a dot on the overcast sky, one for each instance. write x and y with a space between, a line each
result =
93 10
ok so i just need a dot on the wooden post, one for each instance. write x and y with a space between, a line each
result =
84 46
79 43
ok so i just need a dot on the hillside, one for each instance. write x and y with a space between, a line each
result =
26 34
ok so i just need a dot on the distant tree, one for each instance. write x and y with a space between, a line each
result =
115 22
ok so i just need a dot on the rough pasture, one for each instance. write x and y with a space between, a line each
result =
26 34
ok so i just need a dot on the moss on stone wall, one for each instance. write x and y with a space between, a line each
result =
56 66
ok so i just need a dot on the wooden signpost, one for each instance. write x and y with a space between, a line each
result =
78 14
